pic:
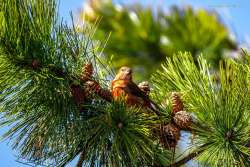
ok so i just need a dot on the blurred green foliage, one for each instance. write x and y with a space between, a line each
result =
142 38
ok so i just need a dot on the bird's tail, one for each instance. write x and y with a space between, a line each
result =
154 107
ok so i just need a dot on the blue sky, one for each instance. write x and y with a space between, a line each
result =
234 13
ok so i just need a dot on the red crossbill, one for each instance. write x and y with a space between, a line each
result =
123 86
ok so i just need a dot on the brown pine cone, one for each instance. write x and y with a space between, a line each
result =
87 72
77 93
35 64
169 135
144 86
183 120
93 87
38 147
176 102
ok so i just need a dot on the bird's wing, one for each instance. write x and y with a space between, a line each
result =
136 91
133 89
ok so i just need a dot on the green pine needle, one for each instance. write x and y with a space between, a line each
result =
220 103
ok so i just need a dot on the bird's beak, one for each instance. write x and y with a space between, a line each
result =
130 72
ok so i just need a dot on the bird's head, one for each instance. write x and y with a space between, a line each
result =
125 73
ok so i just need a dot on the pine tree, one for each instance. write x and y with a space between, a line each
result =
58 105
141 34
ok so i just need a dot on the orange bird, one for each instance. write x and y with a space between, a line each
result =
123 86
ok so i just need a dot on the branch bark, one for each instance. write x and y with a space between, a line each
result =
189 157
81 159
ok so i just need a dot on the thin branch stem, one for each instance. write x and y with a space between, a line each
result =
189 157
81 159
186 159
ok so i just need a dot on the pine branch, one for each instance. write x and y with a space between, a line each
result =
186 159
189 156
81 159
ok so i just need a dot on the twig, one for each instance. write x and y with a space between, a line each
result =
186 159
81 159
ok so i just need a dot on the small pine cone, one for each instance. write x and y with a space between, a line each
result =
94 87
77 93
87 72
35 64
176 102
183 120
144 86
105 94
169 135
38 146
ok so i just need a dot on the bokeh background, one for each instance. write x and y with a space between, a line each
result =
142 33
